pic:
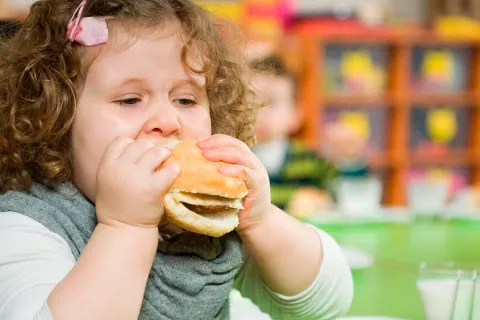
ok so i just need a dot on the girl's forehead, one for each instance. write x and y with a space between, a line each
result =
156 61
144 51
125 32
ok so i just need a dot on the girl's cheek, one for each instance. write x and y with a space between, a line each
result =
197 121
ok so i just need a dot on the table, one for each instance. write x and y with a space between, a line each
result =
388 288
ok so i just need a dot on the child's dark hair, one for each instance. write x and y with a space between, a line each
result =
273 65
41 73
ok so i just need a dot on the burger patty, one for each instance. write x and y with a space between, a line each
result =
206 209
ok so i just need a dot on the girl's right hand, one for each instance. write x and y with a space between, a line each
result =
130 187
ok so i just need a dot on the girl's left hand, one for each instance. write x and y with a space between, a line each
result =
245 165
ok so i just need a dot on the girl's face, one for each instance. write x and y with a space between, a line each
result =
137 91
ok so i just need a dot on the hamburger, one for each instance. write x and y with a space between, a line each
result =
202 200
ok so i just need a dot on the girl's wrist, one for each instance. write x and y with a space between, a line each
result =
258 229
137 234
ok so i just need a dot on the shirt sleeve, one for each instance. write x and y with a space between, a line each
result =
328 297
33 260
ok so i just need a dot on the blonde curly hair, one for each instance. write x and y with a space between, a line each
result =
41 73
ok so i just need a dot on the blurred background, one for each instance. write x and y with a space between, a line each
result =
370 131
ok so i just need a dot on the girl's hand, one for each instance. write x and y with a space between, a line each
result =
246 166
130 189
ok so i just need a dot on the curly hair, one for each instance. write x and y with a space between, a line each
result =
41 73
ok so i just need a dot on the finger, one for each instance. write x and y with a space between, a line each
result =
239 171
165 177
222 140
116 148
154 157
136 150
231 155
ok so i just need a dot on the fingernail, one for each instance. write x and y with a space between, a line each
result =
202 142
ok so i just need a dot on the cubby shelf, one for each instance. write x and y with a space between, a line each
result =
400 97
341 100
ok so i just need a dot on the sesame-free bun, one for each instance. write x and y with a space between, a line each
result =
214 225
198 175
202 200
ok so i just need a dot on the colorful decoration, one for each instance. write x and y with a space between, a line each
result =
359 72
442 125
458 28
279 10
437 69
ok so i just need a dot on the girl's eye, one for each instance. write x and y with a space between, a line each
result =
128 102
185 102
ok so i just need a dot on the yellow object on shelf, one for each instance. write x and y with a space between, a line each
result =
442 125
458 28
438 64
357 68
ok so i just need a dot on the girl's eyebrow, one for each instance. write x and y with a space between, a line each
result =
197 82
127 81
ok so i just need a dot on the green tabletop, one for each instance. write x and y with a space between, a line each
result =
388 287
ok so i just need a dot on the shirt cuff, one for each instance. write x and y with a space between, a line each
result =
44 313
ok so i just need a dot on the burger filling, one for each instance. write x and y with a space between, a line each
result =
207 204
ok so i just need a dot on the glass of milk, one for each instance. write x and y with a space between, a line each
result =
449 292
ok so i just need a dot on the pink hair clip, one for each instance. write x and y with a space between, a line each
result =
89 31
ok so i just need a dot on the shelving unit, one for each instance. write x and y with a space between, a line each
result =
399 98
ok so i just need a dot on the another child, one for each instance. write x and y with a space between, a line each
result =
290 165
13 9
90 95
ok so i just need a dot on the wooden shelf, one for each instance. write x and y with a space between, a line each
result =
342 100
432 99
379 160
432 39
349 39
346 32
401 96
451 159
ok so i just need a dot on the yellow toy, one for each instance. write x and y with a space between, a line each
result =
442 125
359 72
437 68
458 28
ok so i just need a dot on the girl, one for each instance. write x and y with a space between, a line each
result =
90 95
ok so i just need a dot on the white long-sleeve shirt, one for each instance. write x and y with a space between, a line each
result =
33 260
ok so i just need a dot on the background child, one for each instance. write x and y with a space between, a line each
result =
90 94
294 169
13 9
